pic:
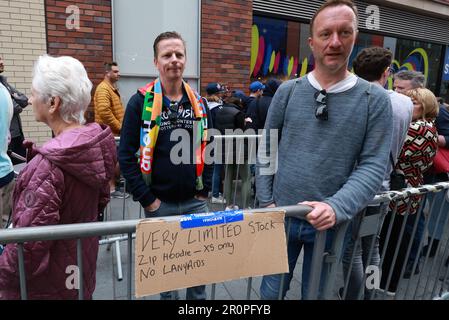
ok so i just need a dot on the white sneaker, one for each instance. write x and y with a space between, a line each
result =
230 208
218 199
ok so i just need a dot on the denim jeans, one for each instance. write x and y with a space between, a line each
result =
216 180
171 209
417 237
301 234
437 220
361 255
395 242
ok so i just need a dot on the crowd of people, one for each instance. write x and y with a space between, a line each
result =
343 134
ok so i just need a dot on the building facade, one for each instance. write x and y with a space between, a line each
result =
22 41
229 41
417 32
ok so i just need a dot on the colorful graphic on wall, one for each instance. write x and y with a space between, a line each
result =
417 60
275 49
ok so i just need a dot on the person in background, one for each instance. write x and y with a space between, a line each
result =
229 118
109 111
65 181
416 157
373 64
406 80
258 108
6 168
437 216
255 90
20 101
241 95
216 92
257 115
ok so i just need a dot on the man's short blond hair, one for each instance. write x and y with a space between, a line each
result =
335 3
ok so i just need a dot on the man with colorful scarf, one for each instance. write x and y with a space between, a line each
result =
163 140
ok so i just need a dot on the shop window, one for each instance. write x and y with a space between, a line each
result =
444 91
279 49
420 56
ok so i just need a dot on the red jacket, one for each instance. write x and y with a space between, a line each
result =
65 182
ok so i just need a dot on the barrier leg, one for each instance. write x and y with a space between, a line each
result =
119 261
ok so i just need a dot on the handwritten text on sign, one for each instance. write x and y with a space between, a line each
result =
222 246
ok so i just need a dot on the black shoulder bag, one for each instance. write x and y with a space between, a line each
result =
397 180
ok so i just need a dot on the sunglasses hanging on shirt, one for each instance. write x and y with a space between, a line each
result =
321 112
173 111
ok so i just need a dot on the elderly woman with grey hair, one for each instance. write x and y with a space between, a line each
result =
65 181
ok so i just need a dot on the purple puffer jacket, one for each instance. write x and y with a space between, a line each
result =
66 182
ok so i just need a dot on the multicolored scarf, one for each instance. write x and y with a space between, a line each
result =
151 122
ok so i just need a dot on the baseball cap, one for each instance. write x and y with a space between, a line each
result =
215 87
238 94
272 85
256 85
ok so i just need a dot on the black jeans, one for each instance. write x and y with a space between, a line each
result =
393 242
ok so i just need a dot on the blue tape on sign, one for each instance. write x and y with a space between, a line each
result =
209 219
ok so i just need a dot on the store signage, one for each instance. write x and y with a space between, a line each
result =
446 66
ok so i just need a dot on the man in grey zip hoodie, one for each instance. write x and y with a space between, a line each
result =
335 134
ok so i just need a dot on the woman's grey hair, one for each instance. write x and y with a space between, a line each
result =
64 77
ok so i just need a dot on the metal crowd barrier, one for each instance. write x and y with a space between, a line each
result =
94 229
327 262
321 257
238 165
364 235
406 271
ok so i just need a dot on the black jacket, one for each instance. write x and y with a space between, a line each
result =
19 101
230 117
258 110
170 182
246 102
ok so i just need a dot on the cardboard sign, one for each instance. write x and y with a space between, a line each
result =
208 248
